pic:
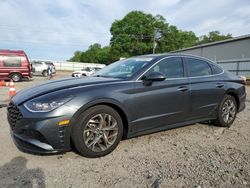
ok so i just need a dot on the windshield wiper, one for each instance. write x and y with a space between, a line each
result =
98 75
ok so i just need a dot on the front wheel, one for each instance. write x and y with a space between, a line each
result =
226 112
98 131
16 77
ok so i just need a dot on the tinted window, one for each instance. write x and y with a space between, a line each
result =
48 63
38 64
198 67
12 61
216 69
170 67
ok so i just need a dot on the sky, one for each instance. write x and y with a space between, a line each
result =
55 29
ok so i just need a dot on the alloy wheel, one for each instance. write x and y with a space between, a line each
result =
228 111
15 77
100 132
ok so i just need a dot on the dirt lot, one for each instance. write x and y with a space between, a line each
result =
194 156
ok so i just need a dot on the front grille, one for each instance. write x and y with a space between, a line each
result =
14 115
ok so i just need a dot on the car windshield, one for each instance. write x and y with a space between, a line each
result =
86 69
124 68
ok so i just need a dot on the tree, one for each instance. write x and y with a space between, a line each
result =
133 35
213 36
95 54
76 57
137 33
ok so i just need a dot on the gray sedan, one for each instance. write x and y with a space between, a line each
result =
135 96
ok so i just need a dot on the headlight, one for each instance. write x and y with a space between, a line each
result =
46 104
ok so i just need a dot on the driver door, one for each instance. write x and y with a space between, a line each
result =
163 102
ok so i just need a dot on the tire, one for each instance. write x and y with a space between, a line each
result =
44 73
91 138
16 77
227 107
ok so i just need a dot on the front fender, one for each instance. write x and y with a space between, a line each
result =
107 101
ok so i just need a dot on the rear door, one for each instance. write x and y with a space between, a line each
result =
163 102
39 67
206 88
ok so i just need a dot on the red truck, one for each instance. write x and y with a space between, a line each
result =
14 65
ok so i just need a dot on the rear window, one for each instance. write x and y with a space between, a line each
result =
198 67
12 61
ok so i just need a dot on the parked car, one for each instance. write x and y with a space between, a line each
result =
88 71
128 98
14 65
40 67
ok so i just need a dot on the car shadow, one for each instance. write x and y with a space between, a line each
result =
16 174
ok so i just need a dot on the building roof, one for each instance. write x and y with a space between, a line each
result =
243 37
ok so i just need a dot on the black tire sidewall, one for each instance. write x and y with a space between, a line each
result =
44 73
77 133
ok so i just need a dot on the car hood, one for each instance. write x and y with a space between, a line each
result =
51 86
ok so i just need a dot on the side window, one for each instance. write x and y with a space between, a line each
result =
11 61
198 67
38 64
216 69
170 67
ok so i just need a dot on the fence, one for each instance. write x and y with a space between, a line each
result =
239 67
236 66
71 66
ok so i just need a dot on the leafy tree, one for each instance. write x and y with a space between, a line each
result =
137 33
76 57
213 36
133 35
95 54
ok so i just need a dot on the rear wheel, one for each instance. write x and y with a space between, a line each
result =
16 77
44 73
98 131
226 112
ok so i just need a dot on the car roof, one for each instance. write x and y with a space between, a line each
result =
162 55
12 52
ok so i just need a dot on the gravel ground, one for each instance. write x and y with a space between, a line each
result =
198 155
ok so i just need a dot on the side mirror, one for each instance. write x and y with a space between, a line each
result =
153 76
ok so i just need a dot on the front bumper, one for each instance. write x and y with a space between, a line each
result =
39 133
77 75
33 146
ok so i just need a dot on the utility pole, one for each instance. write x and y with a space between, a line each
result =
154 44
157 36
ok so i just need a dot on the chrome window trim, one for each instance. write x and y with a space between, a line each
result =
139 78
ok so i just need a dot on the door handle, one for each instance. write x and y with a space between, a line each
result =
182 89
219 85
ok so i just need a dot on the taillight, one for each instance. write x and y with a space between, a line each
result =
243 80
